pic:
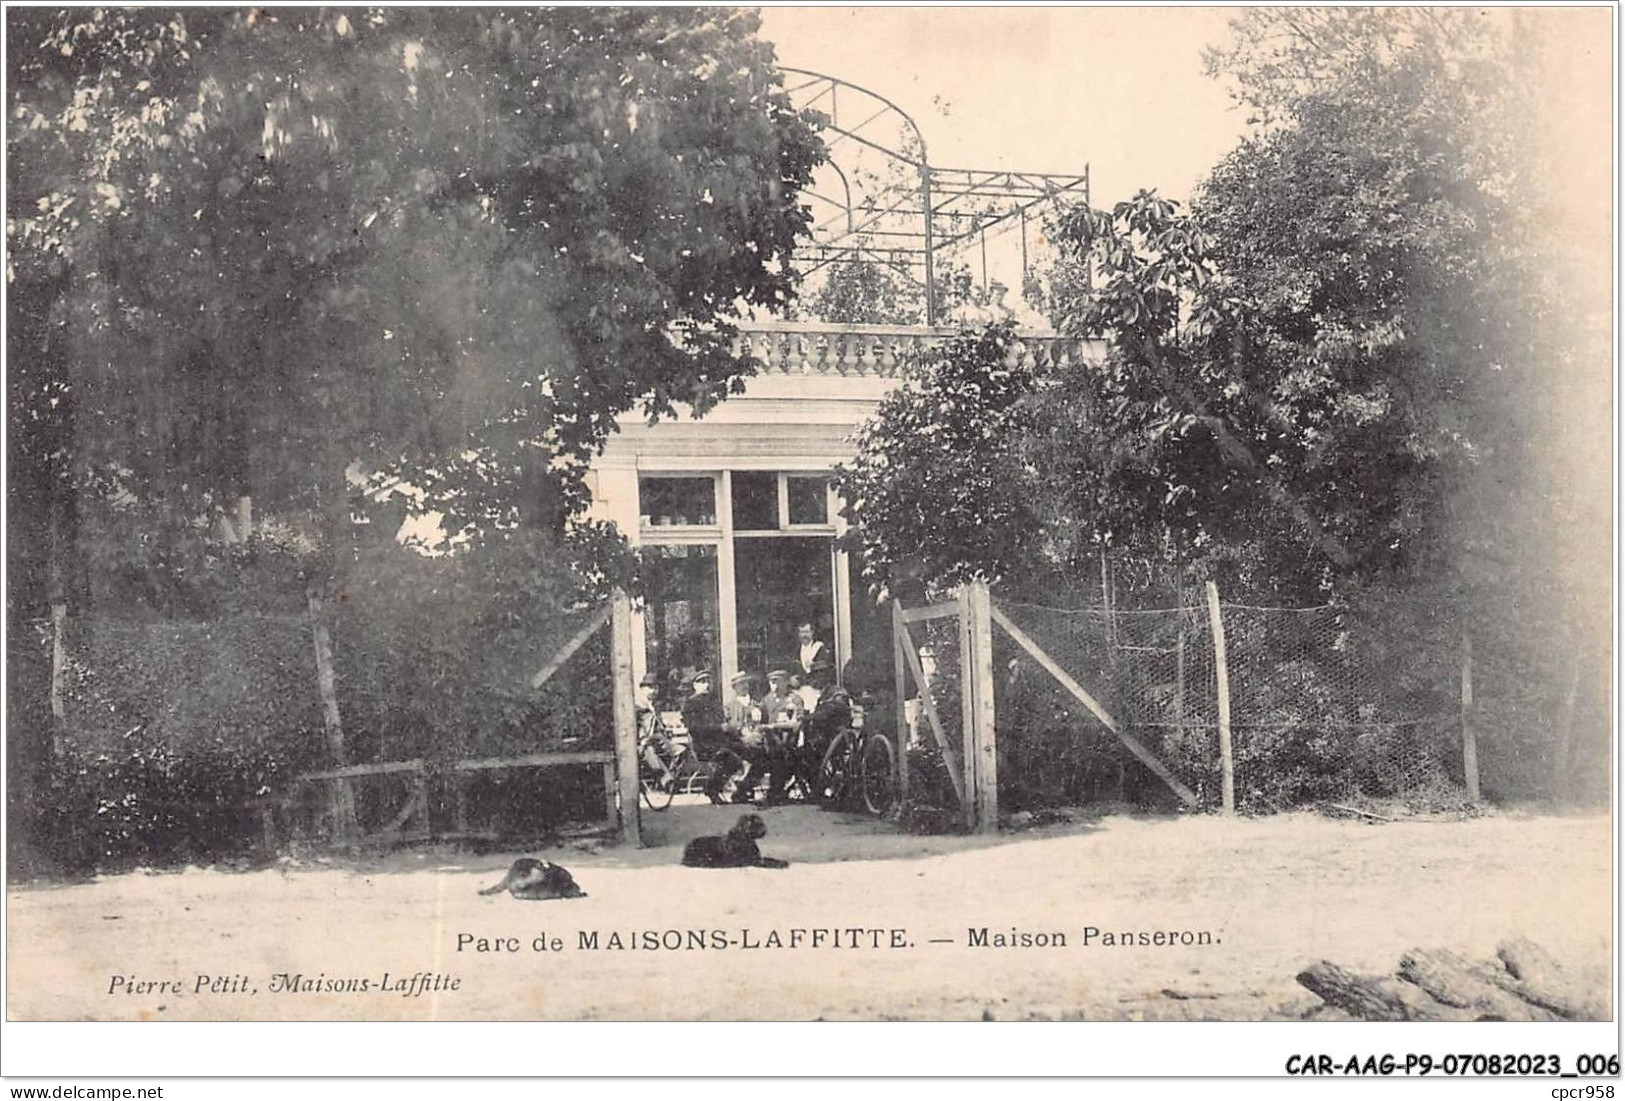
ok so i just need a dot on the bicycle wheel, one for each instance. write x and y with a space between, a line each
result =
878 772
830 787
658 798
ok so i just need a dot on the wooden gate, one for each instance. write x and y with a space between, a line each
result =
973 765
1077 691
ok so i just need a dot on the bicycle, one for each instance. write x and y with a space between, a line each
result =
684 774
858 769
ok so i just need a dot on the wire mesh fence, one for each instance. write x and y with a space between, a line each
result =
1316 713
935 749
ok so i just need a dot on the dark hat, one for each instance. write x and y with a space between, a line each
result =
649 681
777 673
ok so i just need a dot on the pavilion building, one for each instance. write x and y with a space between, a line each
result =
734 513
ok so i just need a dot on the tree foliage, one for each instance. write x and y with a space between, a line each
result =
1329 370
933 494
256 249
1341 375
353 265
869 292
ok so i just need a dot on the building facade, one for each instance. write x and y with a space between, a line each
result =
734 513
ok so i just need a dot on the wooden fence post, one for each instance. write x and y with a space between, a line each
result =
626 714
1469 740
59 666
967 711
1227 767
900 675
986 740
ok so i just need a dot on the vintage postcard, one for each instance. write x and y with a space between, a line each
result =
626 514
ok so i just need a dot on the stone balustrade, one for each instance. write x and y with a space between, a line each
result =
879 351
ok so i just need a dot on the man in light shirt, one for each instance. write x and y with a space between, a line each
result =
815 666
812 650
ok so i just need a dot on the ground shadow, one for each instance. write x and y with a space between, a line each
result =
798 833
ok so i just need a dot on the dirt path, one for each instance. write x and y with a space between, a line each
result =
1260 899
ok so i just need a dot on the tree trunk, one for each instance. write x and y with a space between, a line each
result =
61 546
1525 985
235 525
342 798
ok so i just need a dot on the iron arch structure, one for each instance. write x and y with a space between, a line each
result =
880 200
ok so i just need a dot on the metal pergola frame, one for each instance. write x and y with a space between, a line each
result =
904 225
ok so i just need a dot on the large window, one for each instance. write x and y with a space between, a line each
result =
680 627
770 502
779 584
763 556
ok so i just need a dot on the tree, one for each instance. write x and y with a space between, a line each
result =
934 493
277 246
1404 218
1342 347
287 255
1332 378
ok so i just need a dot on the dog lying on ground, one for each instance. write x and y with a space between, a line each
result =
736 849
535 880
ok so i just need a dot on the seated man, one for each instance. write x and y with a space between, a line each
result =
781 704
745 716
833 715
782 712
654 745
715 739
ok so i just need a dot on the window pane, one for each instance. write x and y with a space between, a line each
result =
756 501
780 584
668 502
809 500
680 623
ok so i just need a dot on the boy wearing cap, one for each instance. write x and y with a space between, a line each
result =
781 704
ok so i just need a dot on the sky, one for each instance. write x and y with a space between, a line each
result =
1120 91
1038 89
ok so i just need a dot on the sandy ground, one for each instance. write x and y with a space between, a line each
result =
1271 895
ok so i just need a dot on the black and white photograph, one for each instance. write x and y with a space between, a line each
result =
891 514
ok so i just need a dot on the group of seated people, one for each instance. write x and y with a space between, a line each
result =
779 735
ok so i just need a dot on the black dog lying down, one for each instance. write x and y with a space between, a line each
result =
535 880
737 849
